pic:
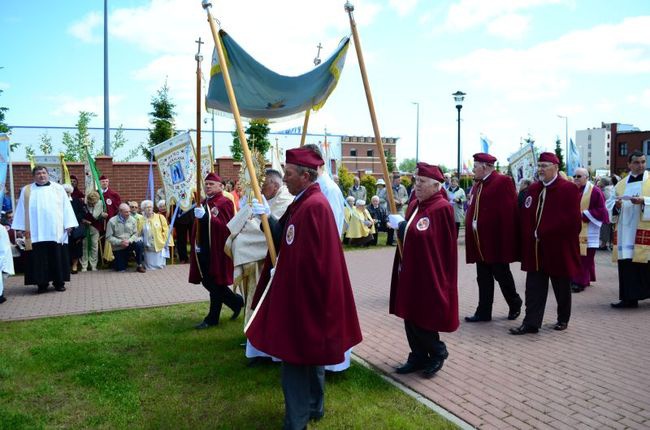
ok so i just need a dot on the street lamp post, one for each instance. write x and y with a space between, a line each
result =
417 132
566 140
459 96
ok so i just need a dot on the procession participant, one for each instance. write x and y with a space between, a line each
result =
550 226
491 237
6 260
209 264
457 199
423 288
111 198
307 318
629 201
247 246
76 193
594 214
45 216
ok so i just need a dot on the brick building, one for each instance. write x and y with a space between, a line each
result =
359 153
624 142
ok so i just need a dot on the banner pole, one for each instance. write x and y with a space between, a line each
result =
305 124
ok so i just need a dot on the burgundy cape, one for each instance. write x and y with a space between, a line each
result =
221 267
113 202
597 208
556 251
308 316
497 223
424 288
76 194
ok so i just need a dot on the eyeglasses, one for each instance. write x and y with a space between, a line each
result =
577 176
544 166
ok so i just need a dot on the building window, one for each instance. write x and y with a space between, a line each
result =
646 147
622 149
353 152
589 154
608 153
608 161
589 138
369 153
589 163
589 146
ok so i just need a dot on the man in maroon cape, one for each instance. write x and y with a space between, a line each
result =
550 225
593 215
76 193
209 264
424 289
491 237
307 318
111 197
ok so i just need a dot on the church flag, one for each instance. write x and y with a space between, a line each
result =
573 158
485 144
263 93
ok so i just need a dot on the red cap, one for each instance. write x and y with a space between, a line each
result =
484 158
101 178
549 157
213 177
430 171
304 157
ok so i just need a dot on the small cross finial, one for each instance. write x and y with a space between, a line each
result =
198 56
317 59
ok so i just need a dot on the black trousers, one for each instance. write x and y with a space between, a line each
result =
219 294
424 344
536 293
304 394
122 256
633 280
486 274
182 233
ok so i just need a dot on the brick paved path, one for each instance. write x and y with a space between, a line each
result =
594 375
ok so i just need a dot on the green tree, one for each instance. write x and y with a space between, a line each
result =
407 165
390 161
4 128
119 141
370 182
346 179
558 152
46 144
257 137
74 145
162 119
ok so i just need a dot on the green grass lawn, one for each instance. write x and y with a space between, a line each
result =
150 369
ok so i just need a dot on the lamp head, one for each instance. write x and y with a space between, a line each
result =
459 96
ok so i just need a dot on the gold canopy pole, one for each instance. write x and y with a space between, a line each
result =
349 8
240 130
304 127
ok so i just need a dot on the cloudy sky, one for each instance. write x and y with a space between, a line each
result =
522 63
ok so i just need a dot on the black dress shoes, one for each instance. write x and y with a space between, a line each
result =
559 326
476 318
575 288
2 299
203 325
625 304
433 367
60 288
236 312
523 329
409 367
514 314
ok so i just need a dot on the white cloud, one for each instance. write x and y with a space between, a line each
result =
69 106
467 14
85 29
545 70
5 85
403 7
510 26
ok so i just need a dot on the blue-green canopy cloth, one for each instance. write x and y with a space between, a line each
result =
262 93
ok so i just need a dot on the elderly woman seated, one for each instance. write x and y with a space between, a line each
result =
361 226
154 236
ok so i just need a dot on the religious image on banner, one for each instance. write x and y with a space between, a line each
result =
4 161
523 163
176 159
53 165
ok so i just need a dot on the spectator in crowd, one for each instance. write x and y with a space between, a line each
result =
154 237
6 261
400 195
45 218
424 289
379 217
630 202
75 240
6 200
593 216
134 207
76 193
357 190
209 263
456 196
94 220
162 208
122 234
523 191
550 226
492 237
383 202
359 231
447 182
607 229
111 198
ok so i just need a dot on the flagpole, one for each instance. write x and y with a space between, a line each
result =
349 8
304 127
240 130
199 176
11 181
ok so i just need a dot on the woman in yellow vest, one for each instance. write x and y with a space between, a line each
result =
154 235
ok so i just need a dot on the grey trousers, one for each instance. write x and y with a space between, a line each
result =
304 394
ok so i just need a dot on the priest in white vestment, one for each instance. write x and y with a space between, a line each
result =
6 260
631 203
45 216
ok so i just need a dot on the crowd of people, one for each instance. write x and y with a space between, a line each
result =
300 309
